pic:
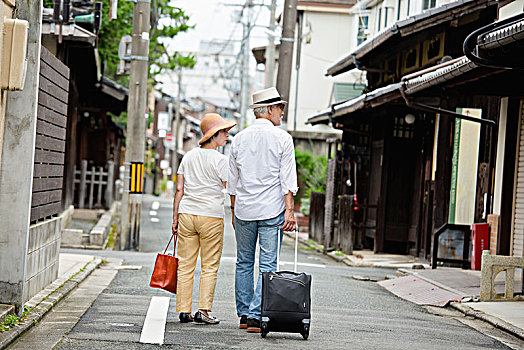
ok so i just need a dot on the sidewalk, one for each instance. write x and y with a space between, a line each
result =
365 258
73 269
460 289
463 289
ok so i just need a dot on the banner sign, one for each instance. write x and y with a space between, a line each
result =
464 169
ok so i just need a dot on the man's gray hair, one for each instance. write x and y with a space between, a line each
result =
260 111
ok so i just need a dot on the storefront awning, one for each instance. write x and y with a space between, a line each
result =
437 75
113 89
504 35
410 85
70 31
371 99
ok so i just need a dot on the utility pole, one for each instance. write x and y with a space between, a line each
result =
136 128
176 129
244 81
167 157
285 56
270 53
297 66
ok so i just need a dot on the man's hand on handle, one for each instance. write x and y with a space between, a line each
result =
290 223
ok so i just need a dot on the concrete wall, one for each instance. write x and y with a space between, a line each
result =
16 167
42 256
314 143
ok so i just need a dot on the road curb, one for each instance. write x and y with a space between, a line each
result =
54 296
495 321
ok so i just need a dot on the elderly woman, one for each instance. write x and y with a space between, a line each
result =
198 217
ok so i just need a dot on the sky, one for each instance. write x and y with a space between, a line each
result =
217 20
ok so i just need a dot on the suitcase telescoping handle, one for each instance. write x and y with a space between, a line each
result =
296 250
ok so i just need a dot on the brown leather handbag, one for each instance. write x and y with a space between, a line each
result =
165 272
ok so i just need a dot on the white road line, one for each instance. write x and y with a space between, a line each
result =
155 205
233 259
155 220
155 322
302 264
152 213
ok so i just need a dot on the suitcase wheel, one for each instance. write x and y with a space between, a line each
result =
305 332
263 329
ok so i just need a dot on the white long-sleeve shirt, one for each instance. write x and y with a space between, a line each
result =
262 169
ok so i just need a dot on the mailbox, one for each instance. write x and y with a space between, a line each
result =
480 242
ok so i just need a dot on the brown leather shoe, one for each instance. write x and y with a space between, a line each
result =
243 322
253 325
202 318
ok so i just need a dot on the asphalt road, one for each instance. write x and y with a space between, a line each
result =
346 313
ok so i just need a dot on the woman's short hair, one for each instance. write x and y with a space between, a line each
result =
209 139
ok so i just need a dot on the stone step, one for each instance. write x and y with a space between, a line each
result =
6 310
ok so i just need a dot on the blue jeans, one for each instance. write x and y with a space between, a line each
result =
248 298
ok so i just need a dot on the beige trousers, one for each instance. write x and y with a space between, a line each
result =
196 233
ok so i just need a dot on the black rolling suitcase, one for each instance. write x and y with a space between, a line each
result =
286 300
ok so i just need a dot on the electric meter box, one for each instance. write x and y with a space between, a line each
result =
14 50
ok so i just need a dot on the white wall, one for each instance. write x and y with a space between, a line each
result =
407 8
331 38
511 9
499 162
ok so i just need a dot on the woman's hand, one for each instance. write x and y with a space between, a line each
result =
175 225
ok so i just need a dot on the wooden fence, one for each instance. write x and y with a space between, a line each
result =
50 137
316 216
343 235
99 182
344 231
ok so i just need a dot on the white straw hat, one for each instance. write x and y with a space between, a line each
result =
266 97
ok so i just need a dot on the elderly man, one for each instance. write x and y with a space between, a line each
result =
262 182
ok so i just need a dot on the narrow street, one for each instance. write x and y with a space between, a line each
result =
346 313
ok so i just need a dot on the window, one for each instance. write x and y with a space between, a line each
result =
428 4
362 33
402 129
379 18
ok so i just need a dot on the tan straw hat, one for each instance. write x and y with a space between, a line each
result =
211 123
267 97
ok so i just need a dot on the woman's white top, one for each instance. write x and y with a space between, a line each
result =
204 171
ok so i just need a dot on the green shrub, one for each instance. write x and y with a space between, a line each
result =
312 172
163 185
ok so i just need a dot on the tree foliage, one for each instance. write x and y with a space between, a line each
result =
166 22
312 171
